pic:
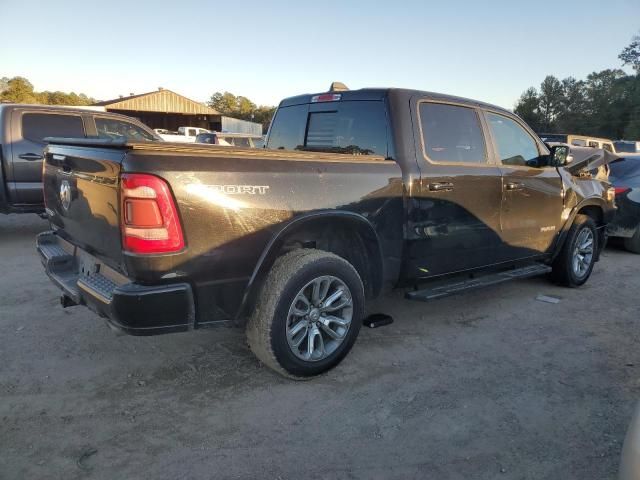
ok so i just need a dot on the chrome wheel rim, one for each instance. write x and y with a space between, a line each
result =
583 253
319 318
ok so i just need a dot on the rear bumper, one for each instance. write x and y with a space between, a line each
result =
128 307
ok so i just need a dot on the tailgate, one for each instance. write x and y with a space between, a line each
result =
82 199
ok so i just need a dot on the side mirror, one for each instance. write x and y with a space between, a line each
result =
559 155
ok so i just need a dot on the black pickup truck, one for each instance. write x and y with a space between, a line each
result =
357 191
23 129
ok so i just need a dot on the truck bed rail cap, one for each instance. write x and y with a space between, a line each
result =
92 142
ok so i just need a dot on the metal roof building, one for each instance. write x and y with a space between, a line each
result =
169 110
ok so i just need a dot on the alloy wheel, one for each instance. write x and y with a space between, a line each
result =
319 318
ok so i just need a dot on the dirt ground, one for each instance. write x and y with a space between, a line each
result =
485 385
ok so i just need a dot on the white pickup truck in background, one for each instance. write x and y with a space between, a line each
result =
184 134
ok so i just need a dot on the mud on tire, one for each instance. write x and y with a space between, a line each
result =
574 264
287 309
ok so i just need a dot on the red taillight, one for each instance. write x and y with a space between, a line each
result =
326 97
621 190
149 218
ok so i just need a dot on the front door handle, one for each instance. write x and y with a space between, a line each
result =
441 187
30 156
514 186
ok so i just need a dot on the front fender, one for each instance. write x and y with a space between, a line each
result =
570 214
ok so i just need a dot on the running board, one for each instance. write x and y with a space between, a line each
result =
445 290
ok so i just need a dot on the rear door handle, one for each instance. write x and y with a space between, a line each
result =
30 156
441 187
514 186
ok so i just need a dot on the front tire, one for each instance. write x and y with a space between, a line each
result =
574 264
308 313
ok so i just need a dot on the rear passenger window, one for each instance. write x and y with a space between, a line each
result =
38 126
515 145
451 134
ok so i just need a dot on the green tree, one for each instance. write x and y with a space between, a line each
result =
241 107
607 105
18 90
551 102
225 103
574 106
528 108
631 54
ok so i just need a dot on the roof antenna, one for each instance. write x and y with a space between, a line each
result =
338 87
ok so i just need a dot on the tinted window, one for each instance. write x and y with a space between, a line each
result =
118 129
192 132
356 128
627 147
37 126
594 144
608 147
287 129
206 138
515 145
451 133
579 142
241 142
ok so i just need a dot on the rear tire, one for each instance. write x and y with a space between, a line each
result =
308 313
574 264
633 244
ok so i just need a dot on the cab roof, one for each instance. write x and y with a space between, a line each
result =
377 94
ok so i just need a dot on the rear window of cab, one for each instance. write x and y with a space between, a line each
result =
349 127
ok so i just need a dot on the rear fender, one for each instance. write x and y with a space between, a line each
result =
274 247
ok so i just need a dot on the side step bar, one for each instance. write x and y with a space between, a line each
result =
440 290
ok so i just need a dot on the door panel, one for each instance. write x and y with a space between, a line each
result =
29 130
456 227
532 194
454 219
532 206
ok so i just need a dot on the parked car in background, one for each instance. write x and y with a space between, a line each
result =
627 146
356 192
625 177
246 140
183 135
23 129
164 131
579 140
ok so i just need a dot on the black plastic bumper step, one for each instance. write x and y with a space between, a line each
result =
444 290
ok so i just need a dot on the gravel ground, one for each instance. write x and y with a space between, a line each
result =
485 385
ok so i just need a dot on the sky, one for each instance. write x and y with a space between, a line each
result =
490 50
